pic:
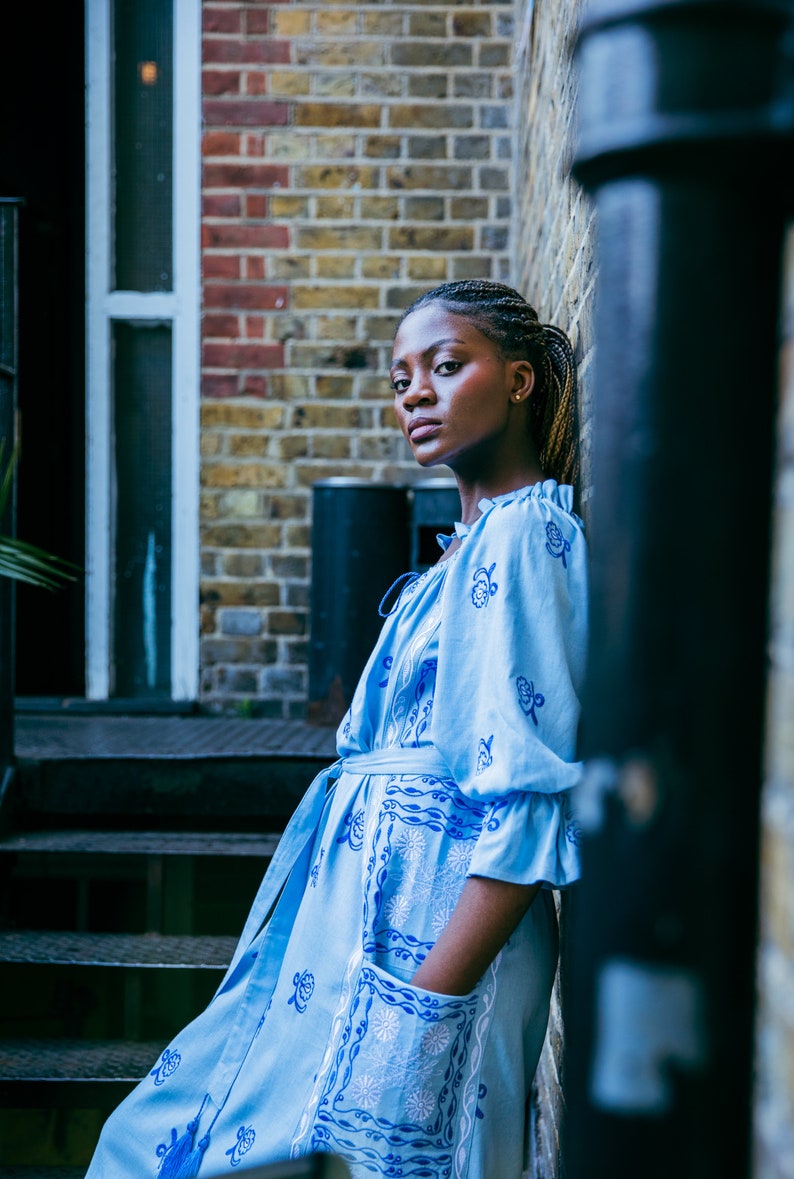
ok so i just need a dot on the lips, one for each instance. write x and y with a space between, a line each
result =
420 428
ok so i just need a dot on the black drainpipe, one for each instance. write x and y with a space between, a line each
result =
686 114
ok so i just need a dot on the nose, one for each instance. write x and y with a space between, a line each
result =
420 391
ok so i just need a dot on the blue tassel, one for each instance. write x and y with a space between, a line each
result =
180 1160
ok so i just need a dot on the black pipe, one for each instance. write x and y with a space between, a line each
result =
9 283
686 117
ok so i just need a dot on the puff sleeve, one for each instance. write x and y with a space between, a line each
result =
512 646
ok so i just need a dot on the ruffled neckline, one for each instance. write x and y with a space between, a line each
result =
560 494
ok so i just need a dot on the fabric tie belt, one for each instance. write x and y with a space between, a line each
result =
281 890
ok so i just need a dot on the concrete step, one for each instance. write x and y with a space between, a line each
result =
83 1074
140 843
148 950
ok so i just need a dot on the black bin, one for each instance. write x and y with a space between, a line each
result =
360 545
434 506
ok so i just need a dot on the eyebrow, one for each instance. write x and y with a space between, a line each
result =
401 363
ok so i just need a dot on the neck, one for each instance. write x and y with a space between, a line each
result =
473 490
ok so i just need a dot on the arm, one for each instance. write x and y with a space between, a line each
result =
486 914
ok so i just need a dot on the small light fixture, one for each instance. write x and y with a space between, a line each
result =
147 72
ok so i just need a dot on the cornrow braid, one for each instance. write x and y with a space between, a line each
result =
505 318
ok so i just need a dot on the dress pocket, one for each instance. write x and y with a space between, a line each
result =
400 1096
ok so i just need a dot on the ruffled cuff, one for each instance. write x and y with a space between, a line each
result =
529 837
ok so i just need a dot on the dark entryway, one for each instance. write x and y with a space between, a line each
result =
42 160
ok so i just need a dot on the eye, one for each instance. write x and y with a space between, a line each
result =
447 367
399 384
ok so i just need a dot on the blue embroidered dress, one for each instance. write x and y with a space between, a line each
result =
456 758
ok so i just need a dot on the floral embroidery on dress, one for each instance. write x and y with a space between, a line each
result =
304 989
387 664
246 1136
556 544
484 587
347 727
354 835
169 1063
315 872
484 755
528 698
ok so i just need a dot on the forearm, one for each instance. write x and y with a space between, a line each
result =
486 914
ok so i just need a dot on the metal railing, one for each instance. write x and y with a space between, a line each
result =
9 269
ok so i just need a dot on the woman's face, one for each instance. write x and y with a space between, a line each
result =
453 391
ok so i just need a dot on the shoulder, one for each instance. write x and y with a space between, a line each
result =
535 521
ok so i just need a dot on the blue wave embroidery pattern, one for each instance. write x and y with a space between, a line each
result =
556 544
528 698
484 586
303 983
315 872
169 1063
399 1120
246 1137
387 664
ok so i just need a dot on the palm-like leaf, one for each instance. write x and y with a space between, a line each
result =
20 560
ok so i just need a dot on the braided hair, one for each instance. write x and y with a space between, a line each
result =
509 322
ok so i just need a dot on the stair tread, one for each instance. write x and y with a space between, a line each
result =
116 949
77 1060
21 1171
139 843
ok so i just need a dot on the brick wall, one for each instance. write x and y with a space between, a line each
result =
354 155
775 1033
554 268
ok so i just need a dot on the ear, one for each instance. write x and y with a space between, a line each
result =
522 380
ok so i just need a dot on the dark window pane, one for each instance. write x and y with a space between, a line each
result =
142 144
142 431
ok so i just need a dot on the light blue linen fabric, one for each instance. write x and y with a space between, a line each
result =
457 757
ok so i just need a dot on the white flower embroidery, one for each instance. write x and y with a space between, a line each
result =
397 910
420 1104
385 1026
411 844
435 1039
439 922
459 857
366 1090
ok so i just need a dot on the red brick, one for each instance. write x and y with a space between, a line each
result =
239 356
256 82
220 81
221 204
219 385
254 327
253 52
254 145
256 204
254 267
220 266
261 237
220 20
247 296
245 175
220 326
220 143
254 386
257 22
245 112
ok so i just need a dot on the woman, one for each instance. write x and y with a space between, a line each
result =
389 996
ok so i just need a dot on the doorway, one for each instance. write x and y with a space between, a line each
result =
43 161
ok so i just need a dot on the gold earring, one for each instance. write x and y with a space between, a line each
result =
518 396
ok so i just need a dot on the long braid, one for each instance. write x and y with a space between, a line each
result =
506 318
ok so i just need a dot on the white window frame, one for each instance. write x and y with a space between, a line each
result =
181 308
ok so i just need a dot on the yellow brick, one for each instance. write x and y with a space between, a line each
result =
290 22
335 266
240 505
211 443
336 176
288 267
246 475
290 387
334 85
289 206
383 24
292 446
338 237
335 387
338 207
337 24
380 208
335 327
306 297
331 446
245 416
288 146
337 114
288 82
333 147
430 269
324 417
381 266
248 445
